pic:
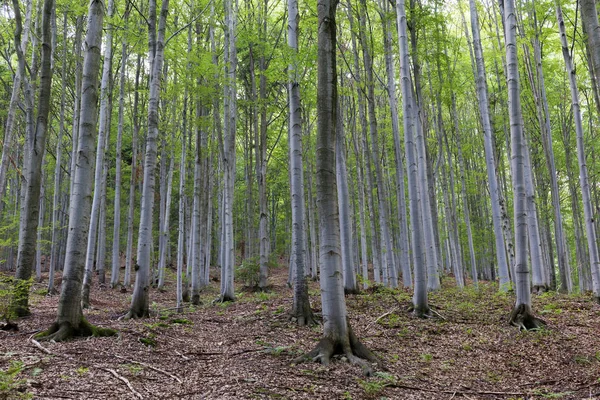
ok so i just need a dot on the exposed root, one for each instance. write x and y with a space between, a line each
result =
419 312
523 318
303 318
223 299
60 332
354 351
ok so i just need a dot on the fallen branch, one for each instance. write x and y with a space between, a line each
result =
380 317
122 378
39 346
455 392
112 371
151 367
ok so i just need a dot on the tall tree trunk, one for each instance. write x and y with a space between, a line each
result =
56 208
588 211
228 154
484 112
389 266
337 332
133 178
521 315
103 130
350 284
141 295
301 310
403 242
261 162
368 175
116 248
420 304
21 40
33 160
70 320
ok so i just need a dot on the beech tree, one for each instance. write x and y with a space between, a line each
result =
141 294
70 320
33 160
521 315
337 332
301 310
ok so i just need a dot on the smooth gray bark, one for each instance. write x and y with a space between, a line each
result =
133 178
301 310
389 266
484 112
420 303
140 301
116 245
103 130
403 241
521 315
33 160
350 284
70 317
56 208
584 182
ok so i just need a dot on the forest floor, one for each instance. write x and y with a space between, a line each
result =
244 350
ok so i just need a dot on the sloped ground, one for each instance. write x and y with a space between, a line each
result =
243 350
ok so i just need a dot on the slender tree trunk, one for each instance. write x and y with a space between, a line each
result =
389 266
103 130
521 315
33 160
421 306
116 248
133 178
38 246
583 172
57 169
350 284
403 242
21 41
140 300
482 97
365 157
301 310
228 154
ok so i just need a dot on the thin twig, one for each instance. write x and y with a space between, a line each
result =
151 367
381 316
461 392
122 378
437 313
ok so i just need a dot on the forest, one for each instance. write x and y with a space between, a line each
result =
215 199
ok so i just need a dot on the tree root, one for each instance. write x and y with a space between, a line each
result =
223 299
522 317
60 332
355 352
419 312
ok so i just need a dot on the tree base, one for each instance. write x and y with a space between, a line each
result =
223 299
539 289
354 290
60 332
135 314
419 312
196 300
522 317
355 352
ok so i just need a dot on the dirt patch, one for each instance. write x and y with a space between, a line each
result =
244 350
